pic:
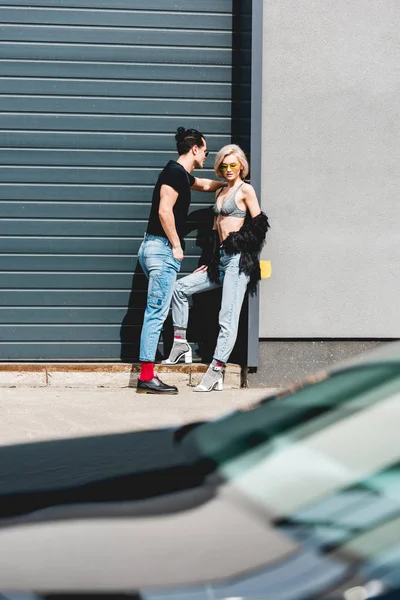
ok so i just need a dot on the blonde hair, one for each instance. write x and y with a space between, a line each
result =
231 149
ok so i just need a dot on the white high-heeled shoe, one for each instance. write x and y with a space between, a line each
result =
217 385
215 376
186 355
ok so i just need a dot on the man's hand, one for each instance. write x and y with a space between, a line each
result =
177 252
202 268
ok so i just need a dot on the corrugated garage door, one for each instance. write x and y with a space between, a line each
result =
91 94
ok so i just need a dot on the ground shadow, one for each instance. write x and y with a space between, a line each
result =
133 319
203 327
105 468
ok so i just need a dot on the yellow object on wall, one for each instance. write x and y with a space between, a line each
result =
266 269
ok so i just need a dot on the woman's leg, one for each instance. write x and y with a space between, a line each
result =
233 292
185 288
195 283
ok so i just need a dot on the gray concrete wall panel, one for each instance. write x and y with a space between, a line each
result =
330 168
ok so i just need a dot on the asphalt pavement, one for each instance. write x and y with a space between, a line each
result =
38 414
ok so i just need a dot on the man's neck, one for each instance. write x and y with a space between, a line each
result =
187 162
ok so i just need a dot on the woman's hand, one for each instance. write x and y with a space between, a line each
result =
201 269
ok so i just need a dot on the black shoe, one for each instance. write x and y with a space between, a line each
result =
155 386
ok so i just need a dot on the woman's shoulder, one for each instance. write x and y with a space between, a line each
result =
246 187
219 191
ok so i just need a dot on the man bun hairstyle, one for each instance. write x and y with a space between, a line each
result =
187 138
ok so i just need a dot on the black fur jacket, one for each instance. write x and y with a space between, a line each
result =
248 241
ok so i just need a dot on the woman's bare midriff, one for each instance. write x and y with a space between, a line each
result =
226 225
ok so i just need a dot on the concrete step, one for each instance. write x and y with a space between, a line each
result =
108 375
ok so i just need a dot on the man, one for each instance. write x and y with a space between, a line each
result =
161 252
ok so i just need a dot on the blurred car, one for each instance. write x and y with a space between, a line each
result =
296 498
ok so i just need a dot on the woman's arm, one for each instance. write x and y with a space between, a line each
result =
217 193
251 201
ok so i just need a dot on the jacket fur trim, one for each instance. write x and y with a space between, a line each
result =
248 241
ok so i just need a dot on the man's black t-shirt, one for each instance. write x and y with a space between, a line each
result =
178 178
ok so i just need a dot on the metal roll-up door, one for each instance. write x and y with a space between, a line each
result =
91 94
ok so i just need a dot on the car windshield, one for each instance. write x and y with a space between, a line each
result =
324 463
334 421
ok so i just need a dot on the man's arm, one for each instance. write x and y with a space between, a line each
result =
207 185
168 197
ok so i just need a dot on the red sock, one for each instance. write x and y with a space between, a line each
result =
177 337
218 363
147 371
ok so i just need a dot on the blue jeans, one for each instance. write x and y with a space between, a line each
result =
161 269
234 287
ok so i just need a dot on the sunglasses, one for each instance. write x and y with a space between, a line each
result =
206 152
224 167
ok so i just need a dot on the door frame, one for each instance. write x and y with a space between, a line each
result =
256 160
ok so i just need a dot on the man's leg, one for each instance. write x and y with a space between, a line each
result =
162 269
185 288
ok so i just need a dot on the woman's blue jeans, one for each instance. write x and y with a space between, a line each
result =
161 269
234 287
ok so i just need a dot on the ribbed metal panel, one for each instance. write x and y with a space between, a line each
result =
91 93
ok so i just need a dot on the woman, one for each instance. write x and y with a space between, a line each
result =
230 261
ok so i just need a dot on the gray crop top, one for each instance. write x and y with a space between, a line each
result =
229 207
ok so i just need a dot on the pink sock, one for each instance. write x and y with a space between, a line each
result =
179 333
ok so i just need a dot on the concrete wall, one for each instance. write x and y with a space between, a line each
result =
284 362
329 163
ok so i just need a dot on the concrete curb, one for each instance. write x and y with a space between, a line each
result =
78 375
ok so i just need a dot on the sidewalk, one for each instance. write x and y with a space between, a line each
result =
114 375
33 414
